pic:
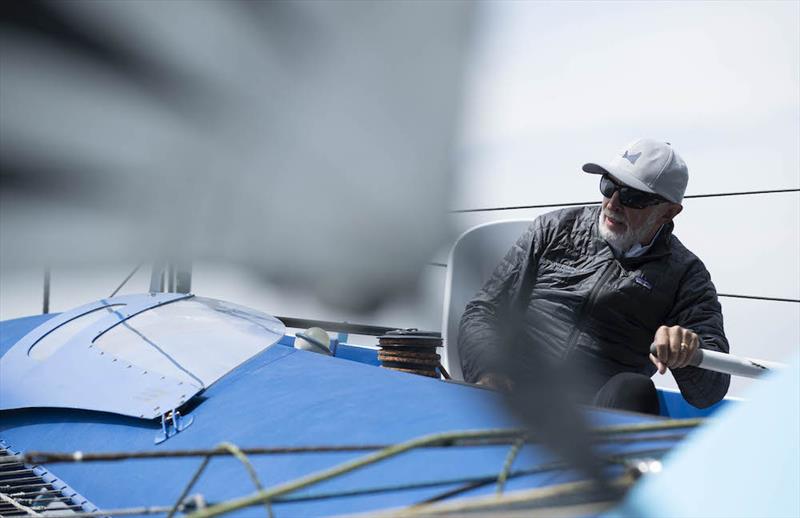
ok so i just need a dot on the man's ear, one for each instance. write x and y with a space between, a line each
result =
673 210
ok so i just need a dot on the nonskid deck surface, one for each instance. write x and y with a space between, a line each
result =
289 398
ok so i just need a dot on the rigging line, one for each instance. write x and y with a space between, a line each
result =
478 480
552 466
510 458
339 470
491 438
731 295
317 477
236 452
482 480
189 486
757 297
525 497
125 281
470 482
613 434
164 353
231 449
595 202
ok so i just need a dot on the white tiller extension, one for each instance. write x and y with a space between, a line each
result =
729 363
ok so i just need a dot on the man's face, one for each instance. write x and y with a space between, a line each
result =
622 227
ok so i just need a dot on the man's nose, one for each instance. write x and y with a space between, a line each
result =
614 203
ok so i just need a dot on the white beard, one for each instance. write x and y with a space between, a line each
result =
621 242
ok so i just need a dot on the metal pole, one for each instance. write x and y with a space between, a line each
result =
729 364
183 278
171 277
46 295
157 277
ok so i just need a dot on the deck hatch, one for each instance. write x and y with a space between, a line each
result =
145 354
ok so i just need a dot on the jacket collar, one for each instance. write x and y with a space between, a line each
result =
660 248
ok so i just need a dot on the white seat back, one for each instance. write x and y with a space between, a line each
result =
473 258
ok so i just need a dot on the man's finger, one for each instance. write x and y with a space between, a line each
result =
688 347
683 354
675 340
660 366
686 339
694 344
661 342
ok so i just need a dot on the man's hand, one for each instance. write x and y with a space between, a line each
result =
675 346
495 382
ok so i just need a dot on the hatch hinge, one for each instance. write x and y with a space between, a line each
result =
172 423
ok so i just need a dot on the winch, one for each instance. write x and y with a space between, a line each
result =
411 350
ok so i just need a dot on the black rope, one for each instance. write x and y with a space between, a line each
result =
125 281
755 297
519 207
595 202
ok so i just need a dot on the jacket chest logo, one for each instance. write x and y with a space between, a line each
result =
641 281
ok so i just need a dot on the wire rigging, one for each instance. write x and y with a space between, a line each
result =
510 458
594 202
234 451
469 438
731 295
125 281
756 297
469 483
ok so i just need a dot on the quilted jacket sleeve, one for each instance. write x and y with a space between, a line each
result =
478 334
698 309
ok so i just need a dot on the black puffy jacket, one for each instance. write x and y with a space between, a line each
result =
582 303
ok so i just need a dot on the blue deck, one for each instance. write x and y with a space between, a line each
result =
286 397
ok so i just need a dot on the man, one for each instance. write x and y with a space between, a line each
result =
594 287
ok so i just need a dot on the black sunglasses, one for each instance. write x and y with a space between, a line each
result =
628 196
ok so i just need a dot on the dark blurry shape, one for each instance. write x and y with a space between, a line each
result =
43 19
629 391
52 21
310 141
545 397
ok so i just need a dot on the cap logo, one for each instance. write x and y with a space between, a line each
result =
632 158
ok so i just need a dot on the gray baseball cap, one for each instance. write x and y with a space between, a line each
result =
648 165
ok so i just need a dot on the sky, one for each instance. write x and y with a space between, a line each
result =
552 85
556 85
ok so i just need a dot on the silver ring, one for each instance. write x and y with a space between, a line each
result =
684 346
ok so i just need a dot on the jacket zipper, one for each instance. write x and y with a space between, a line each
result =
587 306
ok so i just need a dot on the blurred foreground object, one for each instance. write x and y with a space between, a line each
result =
745 463
538 394
235 130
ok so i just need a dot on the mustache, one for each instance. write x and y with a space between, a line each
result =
616 217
